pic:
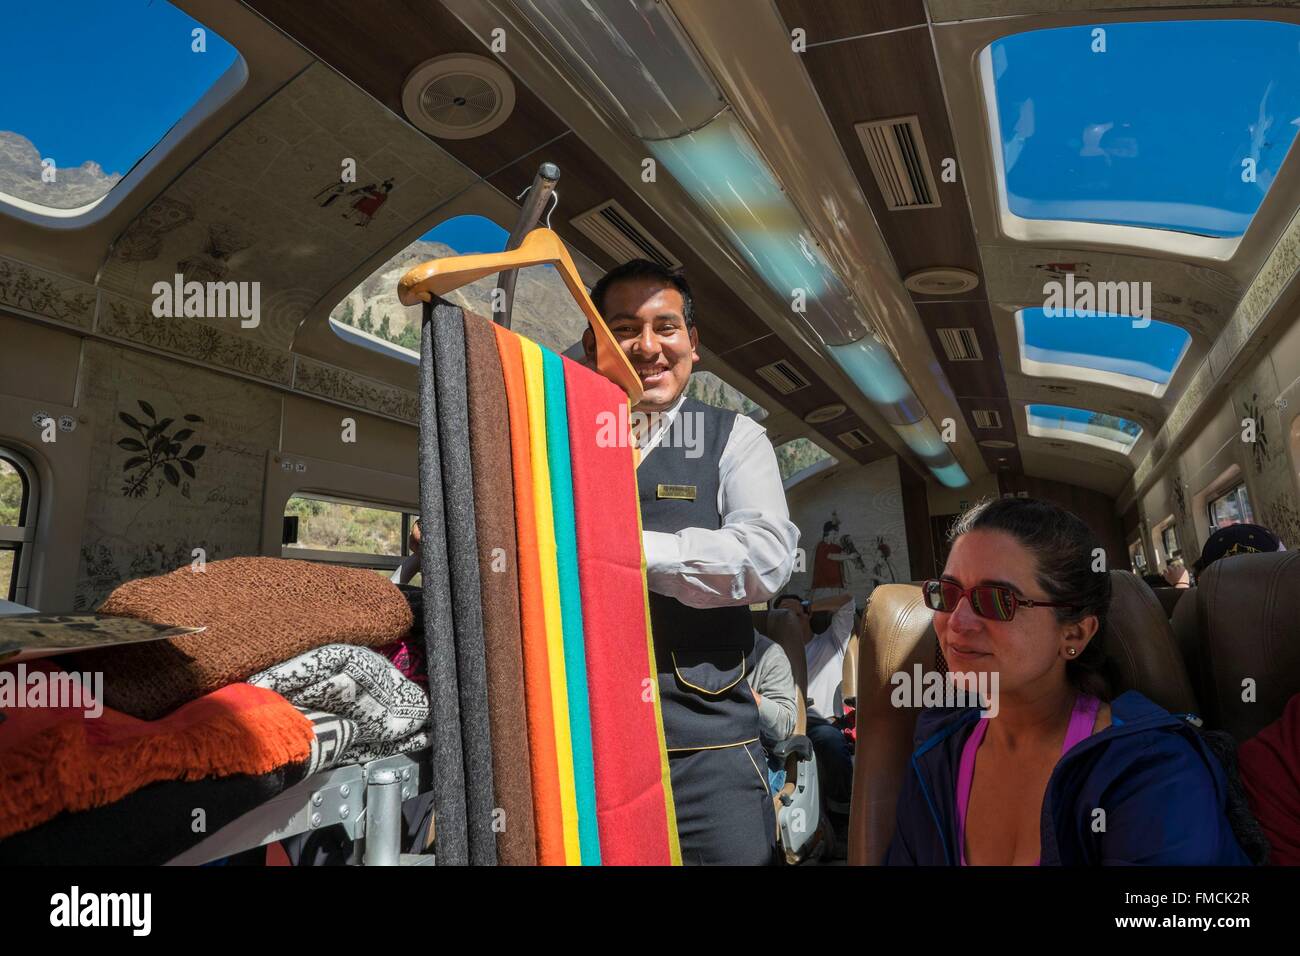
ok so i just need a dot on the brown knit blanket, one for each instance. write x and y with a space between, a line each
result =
257 612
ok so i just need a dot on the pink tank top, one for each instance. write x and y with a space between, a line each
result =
1082 718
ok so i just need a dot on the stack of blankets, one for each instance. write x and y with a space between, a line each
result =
281 682
534 579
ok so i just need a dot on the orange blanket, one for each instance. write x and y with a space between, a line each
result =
55 759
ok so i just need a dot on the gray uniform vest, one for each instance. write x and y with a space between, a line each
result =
703 655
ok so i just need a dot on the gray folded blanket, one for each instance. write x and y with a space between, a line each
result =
362 707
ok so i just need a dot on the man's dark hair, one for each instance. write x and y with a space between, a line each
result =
788 596
645 269
820 622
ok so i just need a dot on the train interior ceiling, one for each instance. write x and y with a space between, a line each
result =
852 189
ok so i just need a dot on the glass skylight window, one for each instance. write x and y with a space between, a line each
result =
1178 125
90 88
543 309
1107 349
1079 424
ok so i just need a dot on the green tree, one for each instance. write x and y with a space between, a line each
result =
347 317
385 332
409 338
367 322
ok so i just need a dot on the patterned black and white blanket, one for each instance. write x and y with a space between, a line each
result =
361 706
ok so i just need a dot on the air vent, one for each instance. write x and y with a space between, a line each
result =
611 227
783 377
960 345
458 96
896 152
941 280
987 418
854 438
827 413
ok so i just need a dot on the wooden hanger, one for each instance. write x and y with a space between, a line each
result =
540 247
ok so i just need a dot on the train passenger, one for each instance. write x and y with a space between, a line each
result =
1058 774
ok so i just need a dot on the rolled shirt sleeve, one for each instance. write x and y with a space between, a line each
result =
750 558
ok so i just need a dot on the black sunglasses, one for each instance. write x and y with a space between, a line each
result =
991 601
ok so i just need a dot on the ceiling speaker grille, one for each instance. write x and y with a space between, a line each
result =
611 227
458 96
854 438
960 345
987 418
896 151
783 377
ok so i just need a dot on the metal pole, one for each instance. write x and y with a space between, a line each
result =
539 193
383 819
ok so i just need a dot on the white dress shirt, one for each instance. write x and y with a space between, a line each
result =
825 655
748 559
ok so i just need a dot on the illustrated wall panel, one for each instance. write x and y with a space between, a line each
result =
178 463
866 544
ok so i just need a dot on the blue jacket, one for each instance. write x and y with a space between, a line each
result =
1162 791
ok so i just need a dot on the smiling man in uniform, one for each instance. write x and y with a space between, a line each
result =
717 538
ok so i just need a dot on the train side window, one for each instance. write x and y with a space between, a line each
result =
1169 538
19 497
1231 507
333 530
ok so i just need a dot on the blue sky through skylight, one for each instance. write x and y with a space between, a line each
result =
92 81
1105 343
1154 130
1104 429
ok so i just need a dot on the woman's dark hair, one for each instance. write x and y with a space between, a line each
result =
1065 550
645 269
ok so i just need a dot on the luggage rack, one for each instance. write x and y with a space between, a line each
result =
365 798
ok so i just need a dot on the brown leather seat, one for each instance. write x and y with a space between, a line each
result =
1169 598
1242 624
849 675
898 634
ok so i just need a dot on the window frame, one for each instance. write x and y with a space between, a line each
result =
351 559
1242 493
22 536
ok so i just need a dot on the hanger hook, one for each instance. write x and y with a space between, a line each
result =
555 197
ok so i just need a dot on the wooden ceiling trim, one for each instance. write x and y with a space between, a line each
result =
883 77
825 20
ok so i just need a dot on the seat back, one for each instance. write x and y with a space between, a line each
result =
1247 611
898 634
849 674
783 629
1141 647
1169 598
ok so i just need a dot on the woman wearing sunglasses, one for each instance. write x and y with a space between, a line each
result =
1059 774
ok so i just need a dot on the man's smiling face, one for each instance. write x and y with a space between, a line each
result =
646 318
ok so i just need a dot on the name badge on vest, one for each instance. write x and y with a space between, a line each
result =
680 492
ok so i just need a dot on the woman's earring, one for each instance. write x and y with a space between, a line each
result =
1071 651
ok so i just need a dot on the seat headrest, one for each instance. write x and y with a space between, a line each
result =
897 633
1248 607
1140 644
1169 598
